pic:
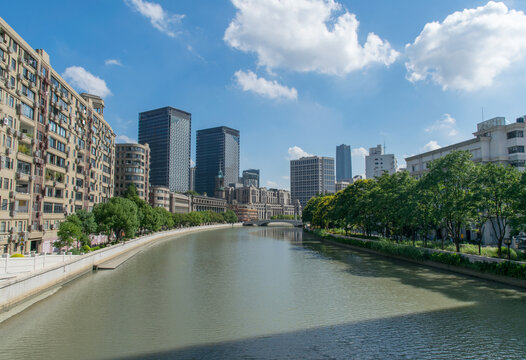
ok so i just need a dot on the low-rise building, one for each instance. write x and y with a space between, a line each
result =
132 167
205 203
495 141
160 196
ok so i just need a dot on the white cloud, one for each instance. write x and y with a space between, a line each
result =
285 177
161 19
432 145
86 81
469 48
192 163
296 152
113 62
359 152
271 184
446 127
304 35
124 139
271 89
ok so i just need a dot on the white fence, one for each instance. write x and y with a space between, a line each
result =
27 264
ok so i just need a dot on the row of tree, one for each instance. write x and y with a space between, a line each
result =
124 217
455 194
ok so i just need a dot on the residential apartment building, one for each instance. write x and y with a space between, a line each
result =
168 133
132 167
343 163
495 141
217 149
57 149
376 163
310 176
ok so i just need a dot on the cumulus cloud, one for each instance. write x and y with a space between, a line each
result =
359 152
82 79
296 152
304 35
446 126
113 62
123 139
469 48
249 81
161 19
432 145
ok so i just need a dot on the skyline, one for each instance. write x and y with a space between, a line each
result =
222 64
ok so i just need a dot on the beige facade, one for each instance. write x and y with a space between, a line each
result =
160 196
180 203
495 141
132 167
57 149
267 202
205 203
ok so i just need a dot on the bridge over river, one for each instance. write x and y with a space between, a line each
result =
295 223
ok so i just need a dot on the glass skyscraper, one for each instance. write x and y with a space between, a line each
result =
168 132
216 149
343 163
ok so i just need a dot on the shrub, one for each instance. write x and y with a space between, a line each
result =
95 248
86 249
17 255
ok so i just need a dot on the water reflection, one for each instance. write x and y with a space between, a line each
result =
269 293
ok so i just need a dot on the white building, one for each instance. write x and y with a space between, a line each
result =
495 141
377 162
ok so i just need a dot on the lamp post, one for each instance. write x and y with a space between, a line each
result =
508 243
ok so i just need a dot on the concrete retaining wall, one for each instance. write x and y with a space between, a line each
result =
25 286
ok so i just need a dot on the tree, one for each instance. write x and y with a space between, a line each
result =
309 209
118 215
69 231
499 186
193 218
166 220
230 217
451 178
87 219
150 218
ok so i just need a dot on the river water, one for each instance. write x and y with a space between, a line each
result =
269 293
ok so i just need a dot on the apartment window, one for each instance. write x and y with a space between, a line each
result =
4 205
3 227
13 64
515 134
48 208
6 184
55 144
8 141
11 102
23 167
28 111
515 149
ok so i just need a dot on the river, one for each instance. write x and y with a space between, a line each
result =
269 293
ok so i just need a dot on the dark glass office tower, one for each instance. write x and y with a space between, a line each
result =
343 163
168 132
216 149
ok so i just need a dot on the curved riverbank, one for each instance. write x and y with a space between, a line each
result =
464 264
27 286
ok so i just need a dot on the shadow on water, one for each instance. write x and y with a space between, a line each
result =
431 335
456 286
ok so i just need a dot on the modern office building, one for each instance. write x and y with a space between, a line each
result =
250 177
494 141
132 167
57 149
168 133
343 163
310 176
192 179
217 149
342 185
376 163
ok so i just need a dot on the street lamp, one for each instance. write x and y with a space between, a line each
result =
507 241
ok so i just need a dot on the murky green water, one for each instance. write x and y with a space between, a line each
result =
274 293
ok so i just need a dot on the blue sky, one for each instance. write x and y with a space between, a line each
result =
294 76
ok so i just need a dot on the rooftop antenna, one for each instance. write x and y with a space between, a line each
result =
385 152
